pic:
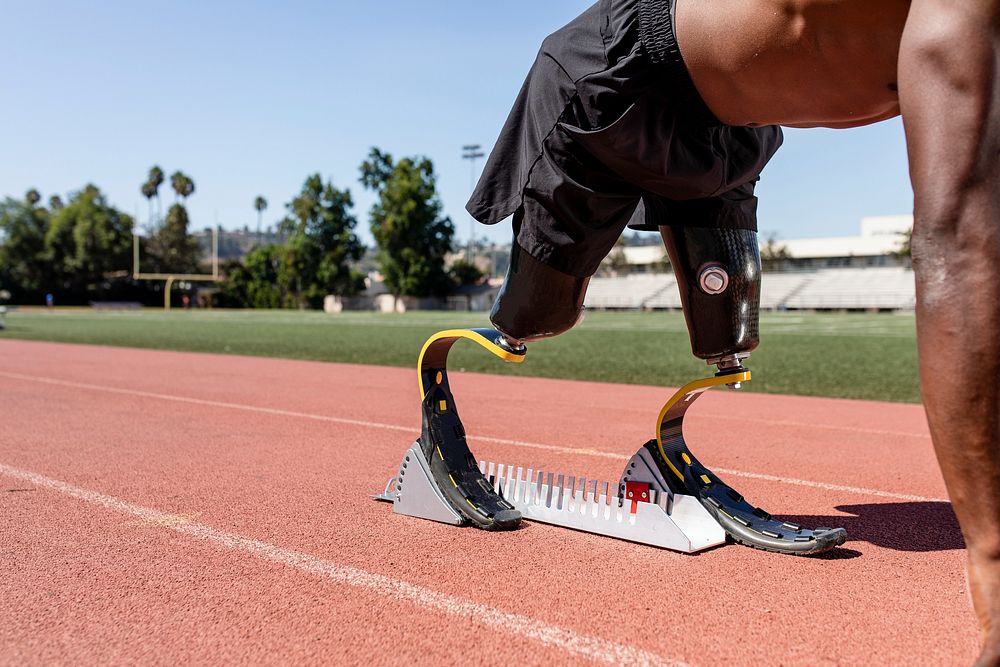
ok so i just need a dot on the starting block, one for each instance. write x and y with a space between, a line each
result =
631 511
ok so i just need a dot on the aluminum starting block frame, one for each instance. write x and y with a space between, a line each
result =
632 511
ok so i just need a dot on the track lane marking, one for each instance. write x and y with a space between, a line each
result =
826 427
586 646
860 490
500 441
359 422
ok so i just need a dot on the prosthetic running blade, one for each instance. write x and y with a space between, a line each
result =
450 463
667 463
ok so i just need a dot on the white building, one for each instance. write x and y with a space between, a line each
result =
878 244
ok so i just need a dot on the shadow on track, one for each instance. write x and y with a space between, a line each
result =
909 526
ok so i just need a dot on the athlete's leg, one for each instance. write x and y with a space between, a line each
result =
713 249
718 274
569 208
536 301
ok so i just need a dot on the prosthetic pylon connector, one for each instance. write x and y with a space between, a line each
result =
667 464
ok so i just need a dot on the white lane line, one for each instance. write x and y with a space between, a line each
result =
586 646
826 427
580 451
831 487
206 402
358 422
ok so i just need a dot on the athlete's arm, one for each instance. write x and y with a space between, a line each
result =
949 88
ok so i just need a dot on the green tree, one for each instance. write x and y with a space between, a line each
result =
253 283
22 247
148 191
71 250
155 179
182 184
464 272
88 240
171 247
412 234
259 205
32 198
321 245
55 203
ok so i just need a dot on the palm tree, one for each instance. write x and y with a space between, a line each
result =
55 202
155 180
182 185
148 191
32 197
260 204
177 183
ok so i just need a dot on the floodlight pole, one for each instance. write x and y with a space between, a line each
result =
215 252
472 152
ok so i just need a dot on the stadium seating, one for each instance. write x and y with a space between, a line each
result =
882 288
890 288
628 292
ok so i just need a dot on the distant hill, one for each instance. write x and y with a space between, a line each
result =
235 244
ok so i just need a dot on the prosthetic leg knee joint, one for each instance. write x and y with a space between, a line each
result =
718 275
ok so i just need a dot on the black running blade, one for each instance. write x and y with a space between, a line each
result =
453 466
744 523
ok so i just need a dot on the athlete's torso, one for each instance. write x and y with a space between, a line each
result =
800 63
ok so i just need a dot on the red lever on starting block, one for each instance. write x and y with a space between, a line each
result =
636 492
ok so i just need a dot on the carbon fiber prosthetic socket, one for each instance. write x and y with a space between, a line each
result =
536 301
718 274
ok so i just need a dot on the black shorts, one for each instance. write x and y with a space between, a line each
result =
608 131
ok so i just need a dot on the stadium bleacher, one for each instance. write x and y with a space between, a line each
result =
877 288
883 288
627 292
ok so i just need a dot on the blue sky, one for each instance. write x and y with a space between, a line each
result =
248 98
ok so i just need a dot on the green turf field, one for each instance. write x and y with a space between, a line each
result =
871 356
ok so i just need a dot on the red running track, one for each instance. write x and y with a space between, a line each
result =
172 507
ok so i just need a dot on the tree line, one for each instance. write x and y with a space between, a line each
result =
77 250
82 250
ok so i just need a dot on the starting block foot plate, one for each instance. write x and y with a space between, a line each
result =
414 493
